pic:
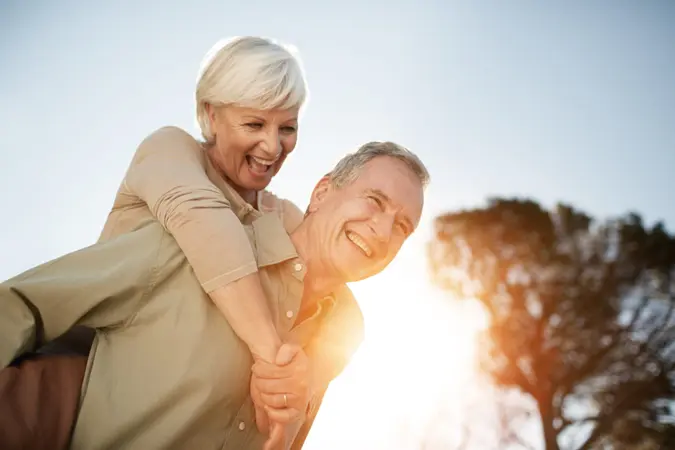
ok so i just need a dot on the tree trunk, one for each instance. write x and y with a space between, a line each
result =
546 416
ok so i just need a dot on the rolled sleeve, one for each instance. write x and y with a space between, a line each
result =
101 286
168 173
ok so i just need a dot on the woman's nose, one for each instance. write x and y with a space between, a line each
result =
272 145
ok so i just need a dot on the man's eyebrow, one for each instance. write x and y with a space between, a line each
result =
379 193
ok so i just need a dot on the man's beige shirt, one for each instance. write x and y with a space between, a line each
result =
166 370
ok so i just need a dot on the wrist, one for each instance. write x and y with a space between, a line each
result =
265 351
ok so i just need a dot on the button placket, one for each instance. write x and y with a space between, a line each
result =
243 422
293 287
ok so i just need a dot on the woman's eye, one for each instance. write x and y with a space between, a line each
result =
254 125
288 130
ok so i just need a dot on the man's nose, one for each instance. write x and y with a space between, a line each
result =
382 225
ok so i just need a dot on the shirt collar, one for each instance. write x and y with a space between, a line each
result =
272 242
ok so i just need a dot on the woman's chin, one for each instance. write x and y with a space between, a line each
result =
256 182
259 185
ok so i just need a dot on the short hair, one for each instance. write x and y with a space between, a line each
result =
252 72
348 168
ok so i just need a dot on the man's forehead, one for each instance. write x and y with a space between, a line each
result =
394 180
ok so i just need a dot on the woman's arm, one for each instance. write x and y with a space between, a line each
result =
168 174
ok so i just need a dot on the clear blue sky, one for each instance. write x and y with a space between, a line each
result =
573 101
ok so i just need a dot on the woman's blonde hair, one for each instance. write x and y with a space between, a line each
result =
252 72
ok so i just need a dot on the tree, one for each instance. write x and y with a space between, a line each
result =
581 315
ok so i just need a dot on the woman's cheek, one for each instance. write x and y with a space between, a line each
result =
288 144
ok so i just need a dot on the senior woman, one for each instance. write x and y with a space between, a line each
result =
248 100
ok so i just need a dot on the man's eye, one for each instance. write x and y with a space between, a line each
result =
254 125
376 200
289 130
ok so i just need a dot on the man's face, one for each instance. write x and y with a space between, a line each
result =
362 226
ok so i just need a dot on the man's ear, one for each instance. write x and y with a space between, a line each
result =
320 193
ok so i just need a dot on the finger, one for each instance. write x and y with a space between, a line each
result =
261 420
256 395
282 386
287 352
265 370
285 415
278 386
276 439
278 401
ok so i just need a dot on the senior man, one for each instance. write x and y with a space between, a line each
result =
166 370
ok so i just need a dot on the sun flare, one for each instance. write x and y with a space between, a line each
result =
418 355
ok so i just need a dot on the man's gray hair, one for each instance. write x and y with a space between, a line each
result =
348 168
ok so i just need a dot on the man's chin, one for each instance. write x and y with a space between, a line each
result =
352 275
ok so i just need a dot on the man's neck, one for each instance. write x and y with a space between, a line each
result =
318 280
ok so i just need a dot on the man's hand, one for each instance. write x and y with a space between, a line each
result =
277 437
261 419
280 393
285 387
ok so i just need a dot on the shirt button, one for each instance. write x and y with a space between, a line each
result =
298 267
242 425
289 314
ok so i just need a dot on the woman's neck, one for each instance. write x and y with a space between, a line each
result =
248 195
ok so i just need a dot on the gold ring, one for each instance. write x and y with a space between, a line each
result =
285 401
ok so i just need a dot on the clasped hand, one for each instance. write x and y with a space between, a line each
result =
281 392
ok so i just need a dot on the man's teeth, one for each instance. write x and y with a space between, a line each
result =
356 239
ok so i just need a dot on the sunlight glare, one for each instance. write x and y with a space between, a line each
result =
417 357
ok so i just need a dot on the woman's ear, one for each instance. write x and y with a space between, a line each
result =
320 193
211 113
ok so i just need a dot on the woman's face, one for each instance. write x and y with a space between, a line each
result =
251 144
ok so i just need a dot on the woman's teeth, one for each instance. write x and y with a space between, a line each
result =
259 165
356 239
266 162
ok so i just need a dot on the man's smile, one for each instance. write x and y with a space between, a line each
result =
360 243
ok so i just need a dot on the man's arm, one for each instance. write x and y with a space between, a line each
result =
101 286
